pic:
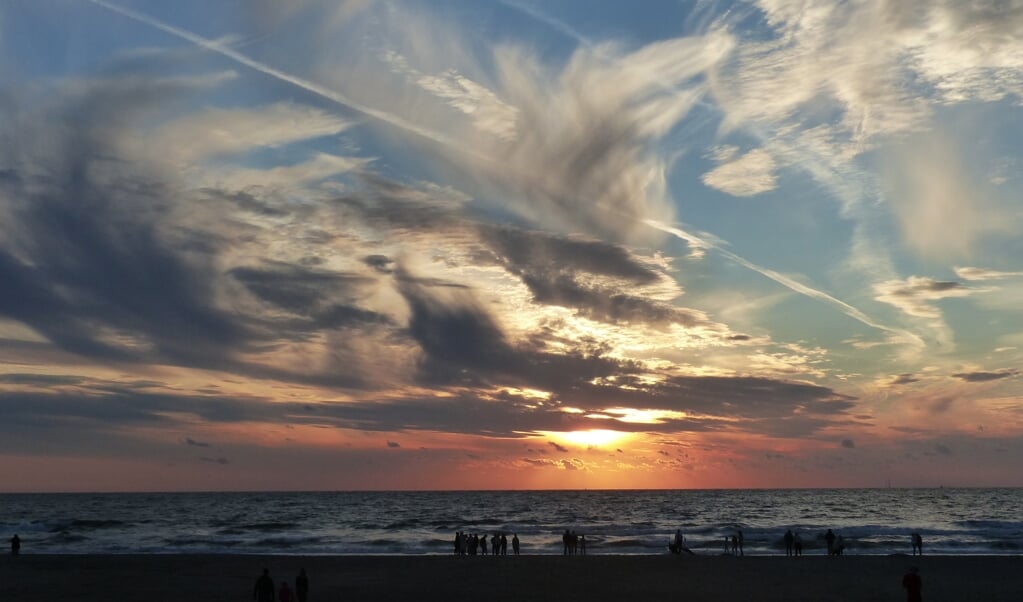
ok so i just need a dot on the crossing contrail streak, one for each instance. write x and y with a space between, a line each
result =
784 280
309 86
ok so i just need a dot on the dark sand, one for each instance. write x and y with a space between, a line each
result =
211 578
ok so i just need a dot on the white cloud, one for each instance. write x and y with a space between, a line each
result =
320 167
749 175
217 132
942 209
489 113
968 273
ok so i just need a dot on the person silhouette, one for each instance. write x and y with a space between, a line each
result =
285 595
829 538
798 544
302 586
264 590
740 542
515 543
918 544
913 585
15 545
788 542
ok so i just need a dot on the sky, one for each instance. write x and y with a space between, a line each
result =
357 244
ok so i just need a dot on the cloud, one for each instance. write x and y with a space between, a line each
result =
916 294
572 146
193 442
986 376
848 444
748 175
602 281
221 460
91 265
393 444
944 211
559 448
216 132
320 167
967 273
904 379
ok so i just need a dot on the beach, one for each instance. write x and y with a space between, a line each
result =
210 578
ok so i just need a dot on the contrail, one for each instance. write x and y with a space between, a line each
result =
783 280
336 97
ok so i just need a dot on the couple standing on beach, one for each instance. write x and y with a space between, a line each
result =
264 590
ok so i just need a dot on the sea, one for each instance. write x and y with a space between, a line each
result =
870 521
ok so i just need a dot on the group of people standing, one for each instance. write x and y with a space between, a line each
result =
573 543
472 544
265 590
793 543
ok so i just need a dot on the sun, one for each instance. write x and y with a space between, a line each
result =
590 438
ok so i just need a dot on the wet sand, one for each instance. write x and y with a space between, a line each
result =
210 578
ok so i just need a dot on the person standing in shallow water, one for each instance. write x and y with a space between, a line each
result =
788 542
302 586
15 545
829 538
515 544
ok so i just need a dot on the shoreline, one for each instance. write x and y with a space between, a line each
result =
594 578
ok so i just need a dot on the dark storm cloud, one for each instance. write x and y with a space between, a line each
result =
84 253
922 286
110 259
388 205
313 294
904 379
529 250
981 376
246 202
380 263
296 288
40 380
603 303
595 278
463 345
561 270
460 341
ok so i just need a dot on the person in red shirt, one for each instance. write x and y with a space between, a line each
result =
911 581
285 595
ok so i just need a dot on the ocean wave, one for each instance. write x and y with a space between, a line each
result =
268 526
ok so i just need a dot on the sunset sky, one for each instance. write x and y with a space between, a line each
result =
263 245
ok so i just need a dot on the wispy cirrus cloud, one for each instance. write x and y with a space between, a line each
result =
746 175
